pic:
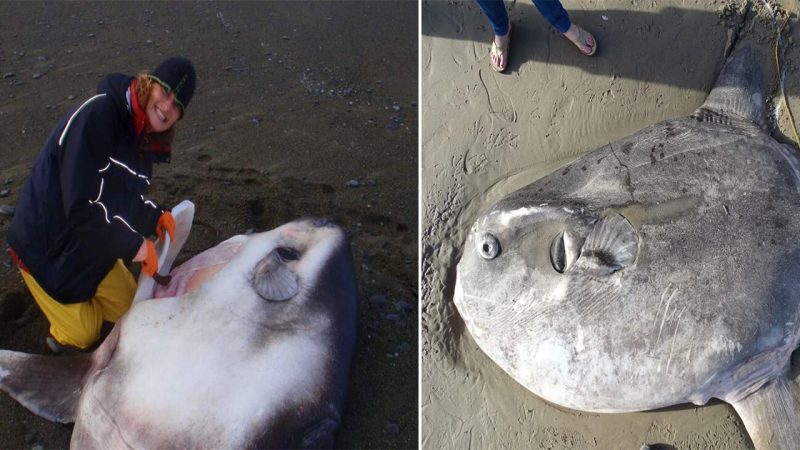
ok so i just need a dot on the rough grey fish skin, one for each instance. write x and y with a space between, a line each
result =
258 356
659 269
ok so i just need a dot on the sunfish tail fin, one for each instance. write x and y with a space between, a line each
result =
738 90
49 386
772 414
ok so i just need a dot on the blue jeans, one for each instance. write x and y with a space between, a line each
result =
552 10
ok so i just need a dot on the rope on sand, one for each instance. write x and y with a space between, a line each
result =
781 69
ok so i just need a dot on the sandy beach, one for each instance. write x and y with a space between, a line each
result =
486 134
300 109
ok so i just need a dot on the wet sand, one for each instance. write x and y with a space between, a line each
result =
294 101
486 134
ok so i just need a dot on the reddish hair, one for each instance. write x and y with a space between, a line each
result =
144 85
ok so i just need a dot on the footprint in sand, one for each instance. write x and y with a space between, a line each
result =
499 102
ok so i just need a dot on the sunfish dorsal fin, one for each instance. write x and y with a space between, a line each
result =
771 414
738 90
49 386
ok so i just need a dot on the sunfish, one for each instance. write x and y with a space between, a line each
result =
660 269
252 349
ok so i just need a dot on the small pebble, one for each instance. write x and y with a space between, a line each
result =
8 181
403 347
392 317
211 129
378 299
4 193
353 183
285 38
403 306
6 210
392 428
36 76
50 107
8 75
71 97
90 35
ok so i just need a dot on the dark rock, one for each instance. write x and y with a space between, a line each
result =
403 347
378 300
392 428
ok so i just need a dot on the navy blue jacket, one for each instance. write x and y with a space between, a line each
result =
83 206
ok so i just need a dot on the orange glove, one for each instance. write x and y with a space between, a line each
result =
165 223
148 257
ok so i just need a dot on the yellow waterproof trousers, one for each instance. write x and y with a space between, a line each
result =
78 324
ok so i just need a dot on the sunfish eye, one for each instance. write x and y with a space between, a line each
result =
488 246
558 253
287 254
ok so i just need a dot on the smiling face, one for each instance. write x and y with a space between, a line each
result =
162 110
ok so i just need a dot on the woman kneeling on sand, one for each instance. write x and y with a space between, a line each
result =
82 212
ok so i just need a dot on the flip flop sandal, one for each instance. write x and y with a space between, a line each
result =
583 38
502 53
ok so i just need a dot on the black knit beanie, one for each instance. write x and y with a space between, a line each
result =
176 75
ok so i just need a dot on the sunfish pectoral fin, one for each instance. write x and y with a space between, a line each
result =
612 245
49 386
273 279
771 414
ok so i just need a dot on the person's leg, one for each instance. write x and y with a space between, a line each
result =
554 13
115 293
495 10
558 17
76 324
